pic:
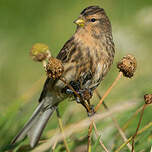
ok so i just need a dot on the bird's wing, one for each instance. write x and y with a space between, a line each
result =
44 91
64 54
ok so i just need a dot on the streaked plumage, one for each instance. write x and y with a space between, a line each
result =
86 57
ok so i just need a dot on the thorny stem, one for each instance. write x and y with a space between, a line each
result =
62 131
141 116
114 121
138 133
101 143
108 91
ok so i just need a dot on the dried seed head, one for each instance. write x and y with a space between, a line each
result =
148 98
54 68
127 65
39 52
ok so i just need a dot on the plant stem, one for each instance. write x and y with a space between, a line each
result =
122 134
62 131
141 116
109 90
89 137
101 143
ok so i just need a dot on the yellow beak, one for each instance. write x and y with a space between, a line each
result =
79 22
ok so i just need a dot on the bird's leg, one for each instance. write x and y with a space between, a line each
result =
91 107
86 95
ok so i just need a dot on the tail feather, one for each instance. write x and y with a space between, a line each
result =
34 127
35 132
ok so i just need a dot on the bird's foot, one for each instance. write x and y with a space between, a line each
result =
84 99
85 94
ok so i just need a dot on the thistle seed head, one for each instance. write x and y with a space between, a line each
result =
39 52
148 98
54 68
127 66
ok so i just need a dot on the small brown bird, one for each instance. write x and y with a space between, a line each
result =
86 57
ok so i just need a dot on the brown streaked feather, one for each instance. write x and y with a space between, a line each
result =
91 10
67 50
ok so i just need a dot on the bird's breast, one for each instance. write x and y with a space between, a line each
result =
88 62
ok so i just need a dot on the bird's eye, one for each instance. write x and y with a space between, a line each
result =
93 20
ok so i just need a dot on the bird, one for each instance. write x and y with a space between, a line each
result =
86 57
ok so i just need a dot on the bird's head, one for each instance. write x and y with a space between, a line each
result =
93 18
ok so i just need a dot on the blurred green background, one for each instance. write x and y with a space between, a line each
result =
23 23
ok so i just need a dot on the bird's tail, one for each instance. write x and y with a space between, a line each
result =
34 127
